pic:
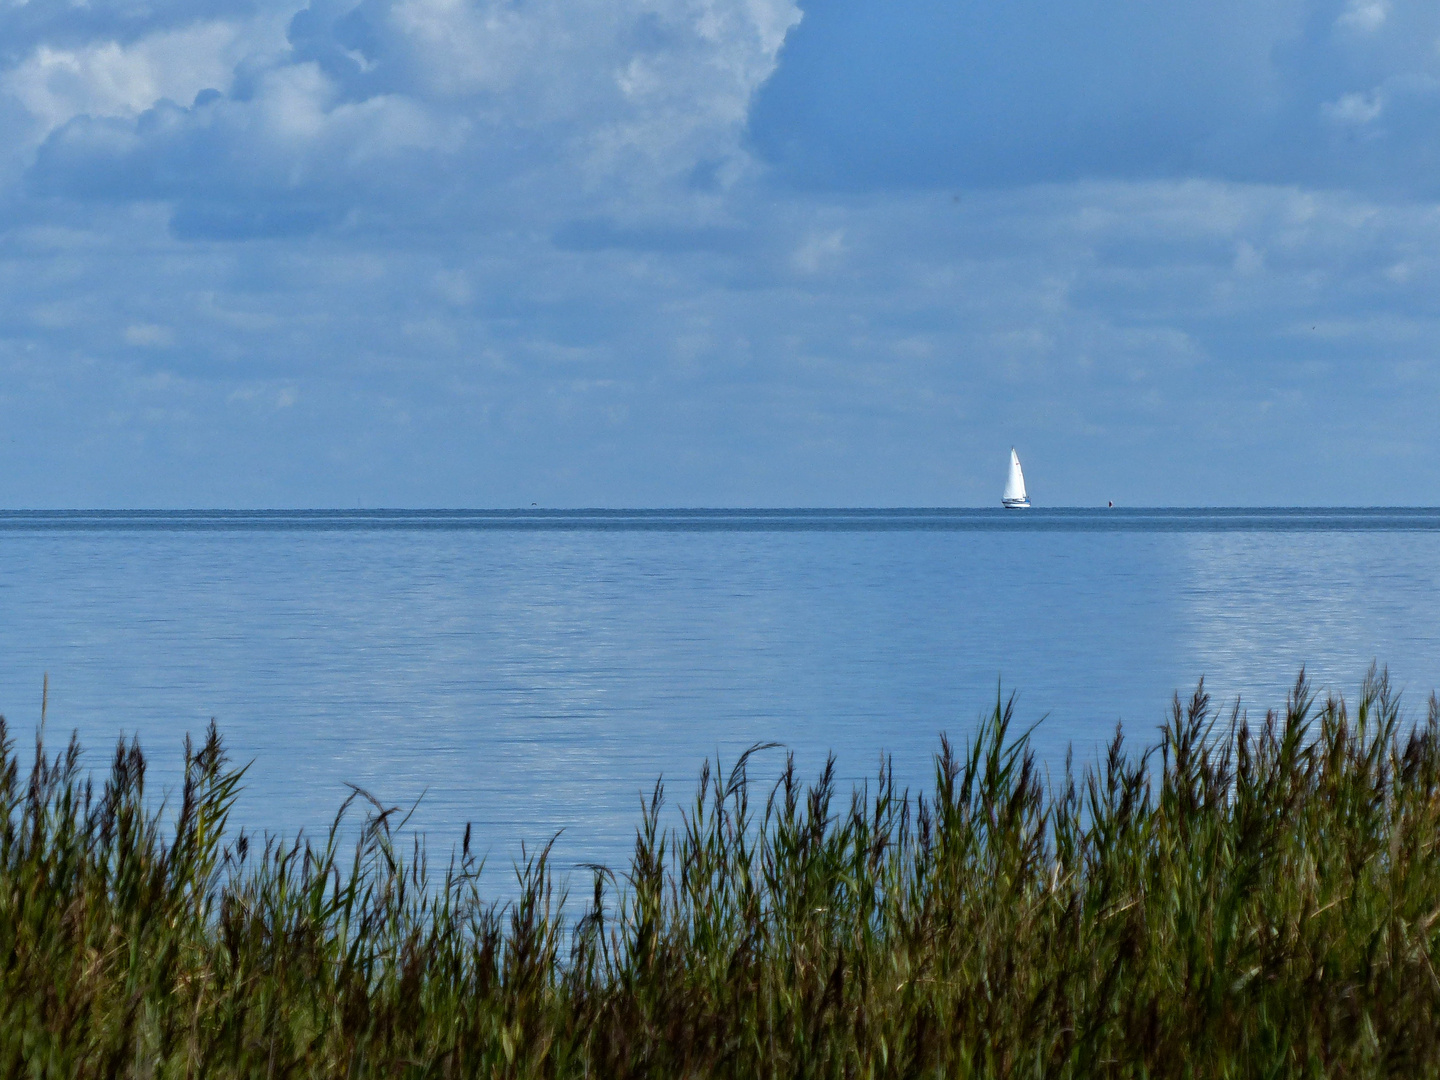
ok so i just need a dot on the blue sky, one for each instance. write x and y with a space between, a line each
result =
718 252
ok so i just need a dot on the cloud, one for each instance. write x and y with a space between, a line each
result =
1356 109
108 79
819 250
1364 16
391 108
24 26
456 252
600 234
148 335
1182 328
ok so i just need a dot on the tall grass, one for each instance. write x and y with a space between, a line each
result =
1245 899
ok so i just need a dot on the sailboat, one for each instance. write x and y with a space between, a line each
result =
1014 497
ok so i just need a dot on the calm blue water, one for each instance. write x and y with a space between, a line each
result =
534 671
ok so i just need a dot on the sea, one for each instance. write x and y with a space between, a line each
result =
535 673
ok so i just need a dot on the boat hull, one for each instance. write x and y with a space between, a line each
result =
1015 504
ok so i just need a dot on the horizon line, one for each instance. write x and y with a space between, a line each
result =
699 508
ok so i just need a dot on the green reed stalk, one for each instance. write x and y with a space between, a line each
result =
1243 899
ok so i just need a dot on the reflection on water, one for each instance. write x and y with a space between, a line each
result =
1258 606
535 672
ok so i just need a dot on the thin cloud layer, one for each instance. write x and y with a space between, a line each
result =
1135 340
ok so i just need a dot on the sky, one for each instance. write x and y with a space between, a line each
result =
264 253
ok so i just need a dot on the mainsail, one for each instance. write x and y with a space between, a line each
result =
1014 483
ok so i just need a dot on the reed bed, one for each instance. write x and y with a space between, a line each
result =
1245 899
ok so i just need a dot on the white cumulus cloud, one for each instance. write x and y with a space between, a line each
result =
107 78
399 105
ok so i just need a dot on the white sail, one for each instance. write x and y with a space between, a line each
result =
1014 483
